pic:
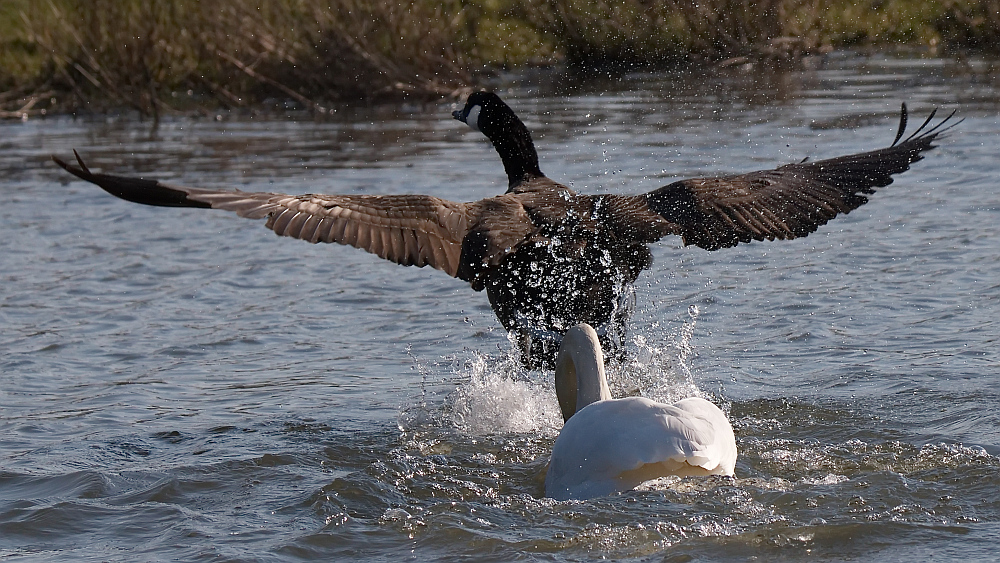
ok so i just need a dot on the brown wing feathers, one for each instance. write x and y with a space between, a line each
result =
413 230
464 239
790 201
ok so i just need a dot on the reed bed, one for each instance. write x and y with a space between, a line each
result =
975 24
157 56
165 55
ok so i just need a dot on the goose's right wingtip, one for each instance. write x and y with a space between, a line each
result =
902 124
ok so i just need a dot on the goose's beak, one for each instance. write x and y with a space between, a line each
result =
457 114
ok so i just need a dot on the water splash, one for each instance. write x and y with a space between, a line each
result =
500 398
661 372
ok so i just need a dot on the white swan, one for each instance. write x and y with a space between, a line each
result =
612 445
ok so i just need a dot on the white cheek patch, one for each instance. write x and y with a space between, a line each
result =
472 120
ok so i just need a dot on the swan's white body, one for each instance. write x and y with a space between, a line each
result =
612 445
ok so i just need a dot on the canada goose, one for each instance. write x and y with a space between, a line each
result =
612 445
550 258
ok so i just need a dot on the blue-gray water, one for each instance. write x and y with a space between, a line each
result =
184 385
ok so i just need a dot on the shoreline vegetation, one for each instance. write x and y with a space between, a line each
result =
159 57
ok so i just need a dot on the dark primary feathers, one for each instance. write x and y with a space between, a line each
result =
413 230
790 201
550 258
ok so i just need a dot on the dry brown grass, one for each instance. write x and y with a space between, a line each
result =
972 24
161 55
643 32
182 55
651 32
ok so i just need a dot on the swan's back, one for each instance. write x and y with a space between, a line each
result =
612 446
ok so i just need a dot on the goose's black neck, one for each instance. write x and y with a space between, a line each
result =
488 114
513 143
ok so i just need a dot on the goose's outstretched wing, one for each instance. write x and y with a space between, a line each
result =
412 230
784 203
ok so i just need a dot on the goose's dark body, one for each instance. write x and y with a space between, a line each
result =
550 258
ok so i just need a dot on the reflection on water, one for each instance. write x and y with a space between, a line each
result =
177 384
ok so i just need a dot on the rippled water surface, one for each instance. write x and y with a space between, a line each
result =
183 385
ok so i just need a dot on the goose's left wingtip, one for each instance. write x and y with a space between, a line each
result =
80 170
79 160
60 161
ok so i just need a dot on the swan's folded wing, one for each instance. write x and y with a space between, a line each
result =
690 437
788 202
412 230
697 433
612 446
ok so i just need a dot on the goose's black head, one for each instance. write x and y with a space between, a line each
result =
487 113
